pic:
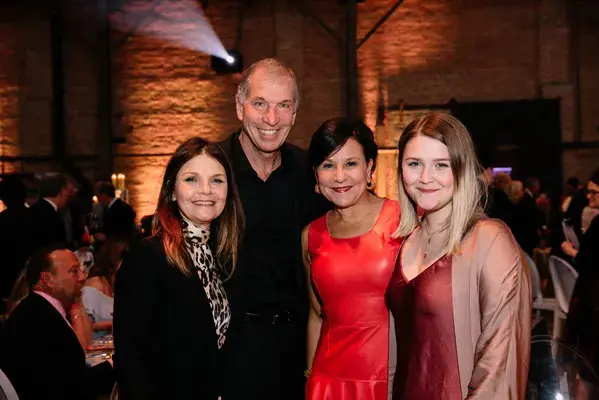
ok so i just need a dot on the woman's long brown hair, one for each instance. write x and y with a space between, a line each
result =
225 231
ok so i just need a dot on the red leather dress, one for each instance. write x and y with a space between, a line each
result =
350 277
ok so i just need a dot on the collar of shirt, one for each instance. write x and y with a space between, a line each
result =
242 164
112 202
52 204
55 303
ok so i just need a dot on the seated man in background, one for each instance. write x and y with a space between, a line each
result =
39 350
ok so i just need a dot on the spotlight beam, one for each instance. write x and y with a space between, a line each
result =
195 32
140 23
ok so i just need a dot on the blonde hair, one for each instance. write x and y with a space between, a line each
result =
469 188
514 189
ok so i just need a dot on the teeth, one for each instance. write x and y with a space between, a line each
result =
268 131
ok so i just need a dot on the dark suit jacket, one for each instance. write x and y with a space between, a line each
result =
499 206
48 225
574 212
527 223
165 340
119 219
41 356
582 324
15 245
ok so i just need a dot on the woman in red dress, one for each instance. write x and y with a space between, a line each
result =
459 293
349 255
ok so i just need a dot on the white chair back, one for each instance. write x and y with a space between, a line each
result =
115 392
564 278
7 391
534 277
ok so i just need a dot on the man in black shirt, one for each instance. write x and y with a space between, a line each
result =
265 350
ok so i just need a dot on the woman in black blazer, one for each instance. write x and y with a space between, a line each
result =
171 312
582 324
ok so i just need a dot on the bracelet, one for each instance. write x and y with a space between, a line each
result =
307 373
75 317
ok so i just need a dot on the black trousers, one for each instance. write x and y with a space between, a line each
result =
265 361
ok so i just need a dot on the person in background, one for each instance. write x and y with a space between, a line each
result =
528 221
498 204
15 234
39 349
587 256
574 205
266 350
588 215
69 216
460 295
98 292
572 186
582 324
171 312
349 255
515 191
118 216
501 181
54 194
83 328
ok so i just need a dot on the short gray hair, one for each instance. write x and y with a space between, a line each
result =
274 66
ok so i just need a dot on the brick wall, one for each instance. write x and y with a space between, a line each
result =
25 87
10 140
426 53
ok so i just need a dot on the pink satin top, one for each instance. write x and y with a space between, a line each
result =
427 361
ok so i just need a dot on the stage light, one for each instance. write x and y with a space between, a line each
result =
231 63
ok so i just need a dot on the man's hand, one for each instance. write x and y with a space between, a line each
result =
569 249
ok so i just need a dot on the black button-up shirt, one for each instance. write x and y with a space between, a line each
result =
269 277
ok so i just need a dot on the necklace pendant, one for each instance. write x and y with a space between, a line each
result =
429 239
425 254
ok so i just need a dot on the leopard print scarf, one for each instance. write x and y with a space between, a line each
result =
196 240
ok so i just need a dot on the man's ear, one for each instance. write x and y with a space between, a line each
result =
239 108
46 279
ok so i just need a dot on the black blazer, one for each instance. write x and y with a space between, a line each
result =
527 223
574 212
582 324
119 219
48 225
165 339
41 356
15 245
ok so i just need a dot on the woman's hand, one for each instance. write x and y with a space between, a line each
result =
569 249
